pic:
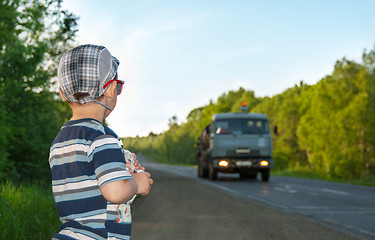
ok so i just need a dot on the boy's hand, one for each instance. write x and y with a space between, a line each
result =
137 165
144 182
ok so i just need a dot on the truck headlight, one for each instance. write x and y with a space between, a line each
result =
264 163
223 163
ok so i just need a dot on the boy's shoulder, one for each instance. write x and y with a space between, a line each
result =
90 123
88 129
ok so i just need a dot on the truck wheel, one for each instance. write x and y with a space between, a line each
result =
212 172
199 166
202 172
265 175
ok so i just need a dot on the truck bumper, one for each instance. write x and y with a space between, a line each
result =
241 165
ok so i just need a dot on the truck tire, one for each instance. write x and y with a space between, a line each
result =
202 172
212 172
265 174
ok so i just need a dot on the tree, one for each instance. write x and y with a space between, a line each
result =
284 111
335 131
33 35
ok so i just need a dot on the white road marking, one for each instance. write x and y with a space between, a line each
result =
286 189
334 191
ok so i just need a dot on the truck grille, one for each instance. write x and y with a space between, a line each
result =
242 152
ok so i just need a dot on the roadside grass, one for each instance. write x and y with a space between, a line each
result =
27 211
367 180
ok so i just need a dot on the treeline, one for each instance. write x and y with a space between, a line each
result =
327 128
33 35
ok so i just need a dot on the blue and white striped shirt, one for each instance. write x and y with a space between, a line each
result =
84 156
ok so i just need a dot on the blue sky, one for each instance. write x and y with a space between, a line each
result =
178 55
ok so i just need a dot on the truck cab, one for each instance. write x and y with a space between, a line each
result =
236 143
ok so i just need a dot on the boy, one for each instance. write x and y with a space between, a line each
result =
89 177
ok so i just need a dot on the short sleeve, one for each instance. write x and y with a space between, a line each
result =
107 157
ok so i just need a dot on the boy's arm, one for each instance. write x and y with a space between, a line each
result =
123 190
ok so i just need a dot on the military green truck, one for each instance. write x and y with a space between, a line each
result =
236 143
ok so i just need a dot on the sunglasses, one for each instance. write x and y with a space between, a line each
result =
119 84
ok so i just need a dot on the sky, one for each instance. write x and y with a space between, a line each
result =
178 55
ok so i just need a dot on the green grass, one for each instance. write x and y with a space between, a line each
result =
27 212
368 180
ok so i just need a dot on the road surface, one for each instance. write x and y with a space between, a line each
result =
182 206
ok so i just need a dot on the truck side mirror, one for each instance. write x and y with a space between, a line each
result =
275 130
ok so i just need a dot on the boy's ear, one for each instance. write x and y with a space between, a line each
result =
61 95
111 90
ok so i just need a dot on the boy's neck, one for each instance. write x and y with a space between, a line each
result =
88 110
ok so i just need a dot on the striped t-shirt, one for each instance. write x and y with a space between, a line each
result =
84 156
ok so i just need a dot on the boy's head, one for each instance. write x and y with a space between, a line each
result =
84 72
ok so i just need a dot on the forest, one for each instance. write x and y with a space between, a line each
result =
327 128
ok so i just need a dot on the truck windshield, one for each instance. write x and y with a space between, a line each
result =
241 126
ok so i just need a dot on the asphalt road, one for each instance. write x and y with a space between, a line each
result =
182 206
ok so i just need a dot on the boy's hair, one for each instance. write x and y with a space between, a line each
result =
84 70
